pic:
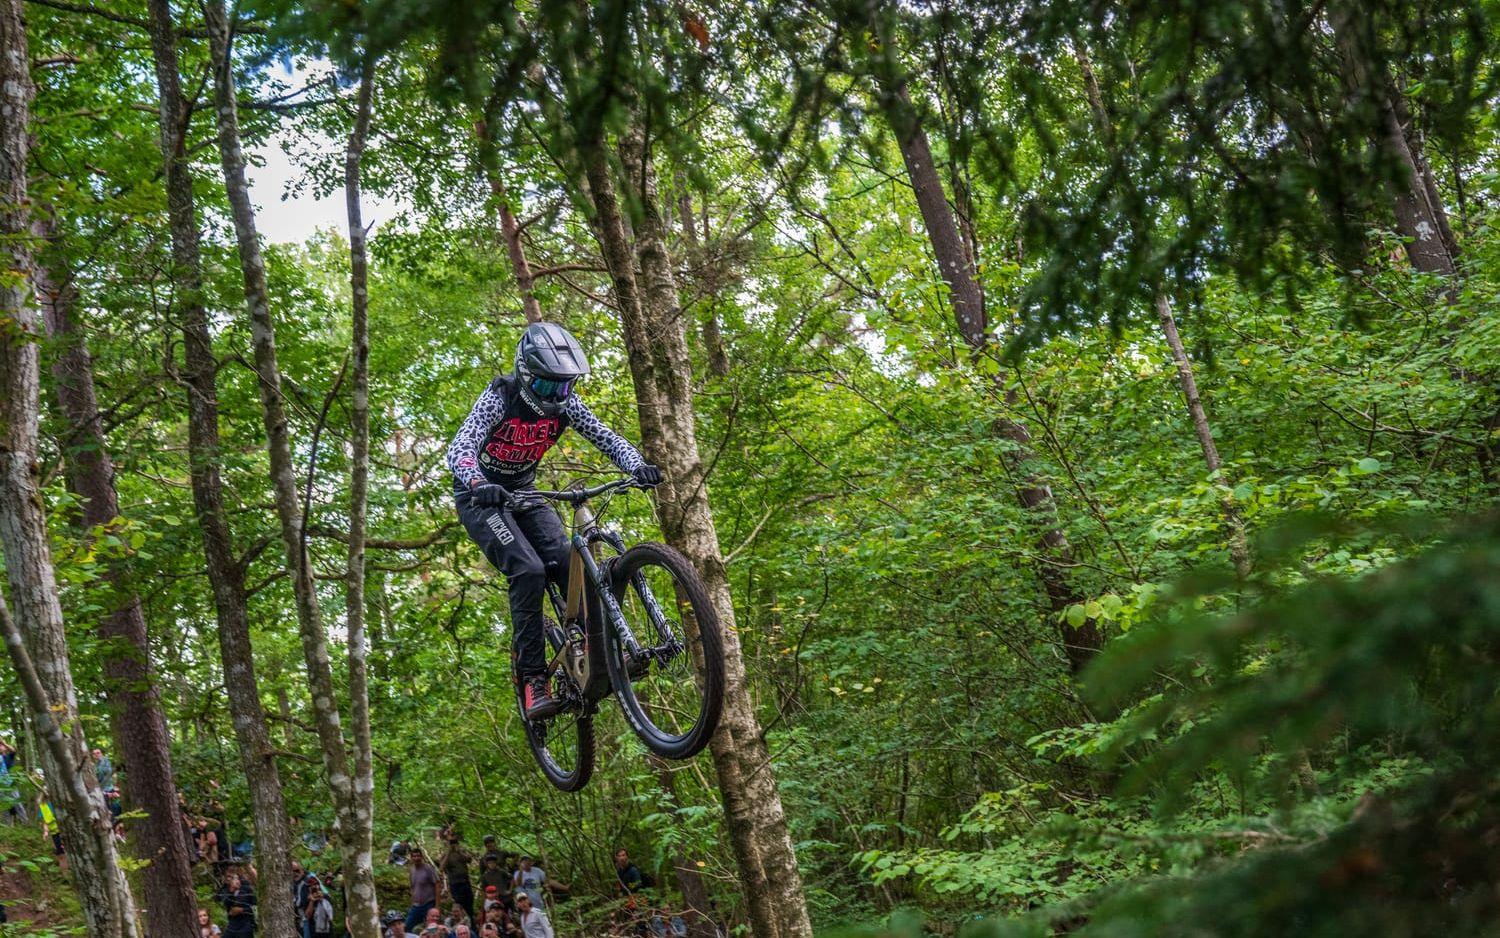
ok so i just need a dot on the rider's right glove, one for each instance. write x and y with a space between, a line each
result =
490 495
525 500
647 474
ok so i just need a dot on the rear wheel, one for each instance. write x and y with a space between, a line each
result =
672 693
563 744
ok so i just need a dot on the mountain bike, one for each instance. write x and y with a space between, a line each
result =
637 623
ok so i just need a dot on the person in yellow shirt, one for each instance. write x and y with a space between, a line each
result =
50 828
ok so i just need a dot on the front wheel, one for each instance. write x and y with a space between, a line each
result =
672 691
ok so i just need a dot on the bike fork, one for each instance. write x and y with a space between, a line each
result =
607 597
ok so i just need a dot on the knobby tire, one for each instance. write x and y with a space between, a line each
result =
664 743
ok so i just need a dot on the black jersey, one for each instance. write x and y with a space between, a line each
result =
504 438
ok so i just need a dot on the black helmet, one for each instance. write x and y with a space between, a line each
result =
548 361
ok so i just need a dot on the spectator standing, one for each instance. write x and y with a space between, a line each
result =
238 899
10 792
629 880
499 917
424 888
455 863
318 913
206 926
531 880
104 770
218 835
301 881
494 877
531 921
50 828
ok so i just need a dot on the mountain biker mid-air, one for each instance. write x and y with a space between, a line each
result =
494 458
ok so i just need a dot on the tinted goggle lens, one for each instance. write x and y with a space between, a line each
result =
551 389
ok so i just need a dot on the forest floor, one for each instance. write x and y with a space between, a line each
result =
36 893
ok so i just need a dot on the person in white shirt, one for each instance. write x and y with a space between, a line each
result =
530 880
533 921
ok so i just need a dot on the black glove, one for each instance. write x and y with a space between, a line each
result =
490 495
647 475
525 500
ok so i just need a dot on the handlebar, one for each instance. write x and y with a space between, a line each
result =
579 496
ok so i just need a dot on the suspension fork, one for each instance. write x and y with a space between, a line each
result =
659 619
612 609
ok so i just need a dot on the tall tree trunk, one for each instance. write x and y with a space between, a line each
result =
358 872
758 825
140 729
226 573
1239 549
1080 644
609 228
1421 219
363 915
1416 146
36 639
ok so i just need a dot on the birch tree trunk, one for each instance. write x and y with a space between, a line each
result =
36 639
108 909
226 574
140 729
1239 549
363 915
358 874
758 825
1080 644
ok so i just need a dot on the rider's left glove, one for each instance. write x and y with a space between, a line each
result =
647 474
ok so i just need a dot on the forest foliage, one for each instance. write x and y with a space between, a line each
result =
1296 738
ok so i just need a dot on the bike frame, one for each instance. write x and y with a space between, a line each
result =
584 573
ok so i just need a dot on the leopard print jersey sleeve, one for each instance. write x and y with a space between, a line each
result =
463 452
608 442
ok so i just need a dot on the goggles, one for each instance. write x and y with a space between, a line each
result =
551 389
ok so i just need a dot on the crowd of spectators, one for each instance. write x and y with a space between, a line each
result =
493 893
511 901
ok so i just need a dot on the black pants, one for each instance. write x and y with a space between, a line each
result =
529 548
